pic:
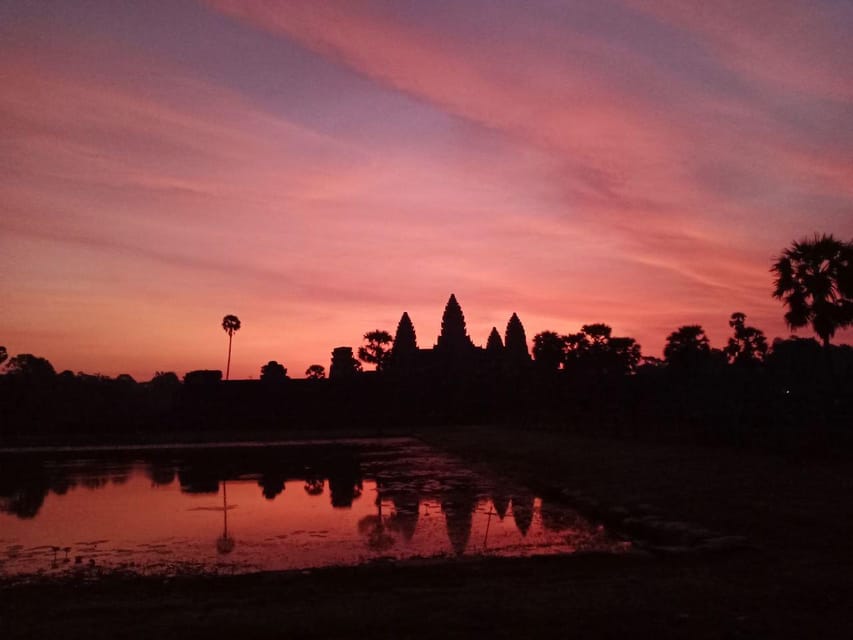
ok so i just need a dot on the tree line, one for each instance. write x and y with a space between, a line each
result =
589 377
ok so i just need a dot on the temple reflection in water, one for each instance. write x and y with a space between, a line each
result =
271 507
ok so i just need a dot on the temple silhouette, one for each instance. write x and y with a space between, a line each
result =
454 354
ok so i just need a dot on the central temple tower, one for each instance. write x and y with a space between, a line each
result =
454 336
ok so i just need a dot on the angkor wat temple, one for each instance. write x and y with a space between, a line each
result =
453 356
454 353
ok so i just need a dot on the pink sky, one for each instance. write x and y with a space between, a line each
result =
317 168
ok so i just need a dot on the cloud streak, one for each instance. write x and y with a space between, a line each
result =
632 162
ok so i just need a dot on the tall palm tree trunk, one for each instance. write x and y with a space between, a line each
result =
228 366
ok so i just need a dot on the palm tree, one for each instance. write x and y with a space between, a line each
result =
814 278
230 324
748 345
225 543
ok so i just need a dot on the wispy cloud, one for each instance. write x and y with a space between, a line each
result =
625 161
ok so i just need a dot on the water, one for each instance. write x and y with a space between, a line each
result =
238 509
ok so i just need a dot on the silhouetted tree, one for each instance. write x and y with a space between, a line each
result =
585 350
576 347
376 528
165 379
796 358
197 478
454 335
314 486
515 342
405 341
814 279
625 355
344 365
687 347
31 367
25 502
649 364
548 350
272 371
406 513
4 355
163 389
271 484
230 324
595 351
345 484
747 346
377 350
598 332
315 372
161 474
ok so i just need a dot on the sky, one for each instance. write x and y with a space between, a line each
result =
317 168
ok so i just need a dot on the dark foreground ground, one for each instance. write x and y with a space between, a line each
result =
796 583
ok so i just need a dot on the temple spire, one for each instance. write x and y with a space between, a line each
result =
515 341
454 336
405 349
405 340
494 344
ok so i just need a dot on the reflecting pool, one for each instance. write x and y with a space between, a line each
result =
251 507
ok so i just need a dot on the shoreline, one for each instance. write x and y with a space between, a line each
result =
185 444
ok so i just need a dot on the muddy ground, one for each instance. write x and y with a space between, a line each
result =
794 582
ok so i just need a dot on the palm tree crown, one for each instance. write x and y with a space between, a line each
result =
814 278
231 324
